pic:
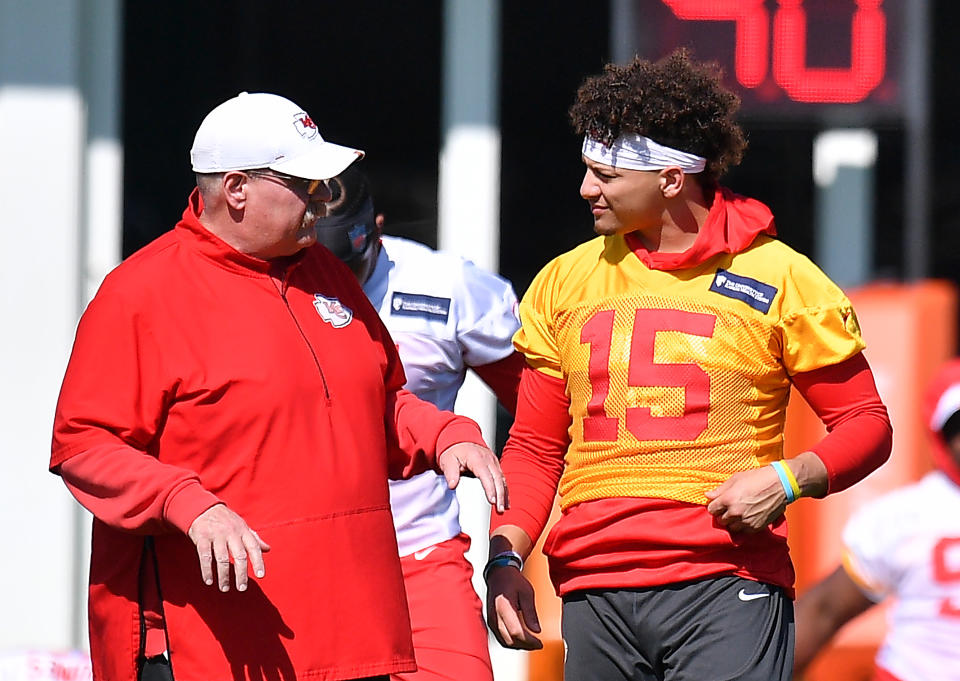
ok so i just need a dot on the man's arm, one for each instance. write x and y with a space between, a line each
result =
533 462
822 610
113 399
421 437
858 440
859 435
511 606
503 378
133 491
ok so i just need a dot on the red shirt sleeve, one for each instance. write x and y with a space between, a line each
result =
533 456
418 432
859 435
503 377
133 491
111 404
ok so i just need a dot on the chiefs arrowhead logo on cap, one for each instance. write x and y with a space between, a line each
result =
305 125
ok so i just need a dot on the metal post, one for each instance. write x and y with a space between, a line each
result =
843 170
916 79
624 36
469 211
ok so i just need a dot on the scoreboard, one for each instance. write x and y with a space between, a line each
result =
835 59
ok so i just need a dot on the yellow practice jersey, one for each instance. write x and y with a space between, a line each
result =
679 378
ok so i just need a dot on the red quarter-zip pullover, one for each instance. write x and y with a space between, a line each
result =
199 375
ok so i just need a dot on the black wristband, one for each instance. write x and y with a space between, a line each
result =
503 559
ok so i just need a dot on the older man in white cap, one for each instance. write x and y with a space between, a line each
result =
232 392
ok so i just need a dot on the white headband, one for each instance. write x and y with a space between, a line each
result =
636 152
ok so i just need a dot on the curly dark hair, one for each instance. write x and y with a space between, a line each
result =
675 101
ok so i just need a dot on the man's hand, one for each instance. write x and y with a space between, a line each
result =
223 537
511 611
482 463
748 501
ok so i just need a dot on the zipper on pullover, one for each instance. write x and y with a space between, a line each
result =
280 280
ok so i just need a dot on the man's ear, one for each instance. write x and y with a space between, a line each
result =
671 182
379 222
234 188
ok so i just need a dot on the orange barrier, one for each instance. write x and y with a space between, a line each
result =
910 329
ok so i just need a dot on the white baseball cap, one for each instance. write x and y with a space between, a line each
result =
262 130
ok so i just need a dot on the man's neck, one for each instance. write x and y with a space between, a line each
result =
679 227
228 231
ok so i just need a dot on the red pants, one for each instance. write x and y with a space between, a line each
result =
881 674
449 634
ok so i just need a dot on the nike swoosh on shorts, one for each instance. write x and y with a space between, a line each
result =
420 555
744 596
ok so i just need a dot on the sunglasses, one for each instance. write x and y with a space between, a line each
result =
299 185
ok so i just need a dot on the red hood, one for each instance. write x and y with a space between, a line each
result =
947 378
733 223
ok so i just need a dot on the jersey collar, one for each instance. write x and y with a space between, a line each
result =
732 224
192 232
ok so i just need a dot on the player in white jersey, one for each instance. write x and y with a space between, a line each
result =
906 546
445 315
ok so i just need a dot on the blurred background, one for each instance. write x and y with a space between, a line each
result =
461 106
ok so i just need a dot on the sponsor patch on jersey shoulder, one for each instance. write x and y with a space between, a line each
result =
419 305
754 293
332 311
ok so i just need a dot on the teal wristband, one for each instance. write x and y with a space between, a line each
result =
785 481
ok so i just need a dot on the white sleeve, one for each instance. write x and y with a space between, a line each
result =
870 542
486 315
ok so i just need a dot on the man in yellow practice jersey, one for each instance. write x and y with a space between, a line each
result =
660 359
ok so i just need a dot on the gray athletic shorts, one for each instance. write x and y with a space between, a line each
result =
709 630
